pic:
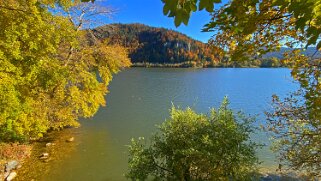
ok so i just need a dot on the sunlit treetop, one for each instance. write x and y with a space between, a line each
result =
50 74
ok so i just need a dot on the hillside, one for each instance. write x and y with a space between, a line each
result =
310 51
151 46
157 45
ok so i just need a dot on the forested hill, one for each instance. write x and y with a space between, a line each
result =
310 51
151 46
157 45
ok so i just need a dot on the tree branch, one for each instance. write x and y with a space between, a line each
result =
14 9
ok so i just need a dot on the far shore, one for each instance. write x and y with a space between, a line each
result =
193 65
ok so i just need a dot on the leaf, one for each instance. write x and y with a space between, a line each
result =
203 4
193 7
178 19
300 24
185 17
210 7
166 9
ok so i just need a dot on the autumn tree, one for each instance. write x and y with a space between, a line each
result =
50 75
245 30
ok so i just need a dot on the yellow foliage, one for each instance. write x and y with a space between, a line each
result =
41 85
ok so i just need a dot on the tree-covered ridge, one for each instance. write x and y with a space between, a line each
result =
151 46
157 45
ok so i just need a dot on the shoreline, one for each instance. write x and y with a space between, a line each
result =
12 157
40 158
188 65
59 148
48 153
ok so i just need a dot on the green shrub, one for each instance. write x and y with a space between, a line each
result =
191 146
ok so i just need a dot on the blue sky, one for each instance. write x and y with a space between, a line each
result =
150 12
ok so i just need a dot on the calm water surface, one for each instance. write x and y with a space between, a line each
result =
140 98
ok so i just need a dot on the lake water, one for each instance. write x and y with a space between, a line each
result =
140 98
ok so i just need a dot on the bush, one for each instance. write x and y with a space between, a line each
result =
191 146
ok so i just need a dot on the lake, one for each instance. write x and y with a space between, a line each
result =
140 98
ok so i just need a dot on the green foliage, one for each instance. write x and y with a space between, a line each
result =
248 28
181 9
41 85
191 146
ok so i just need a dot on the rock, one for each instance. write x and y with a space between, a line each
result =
266 178
11 176
46 160
6 175
12 165
44 156
71 139
48 144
